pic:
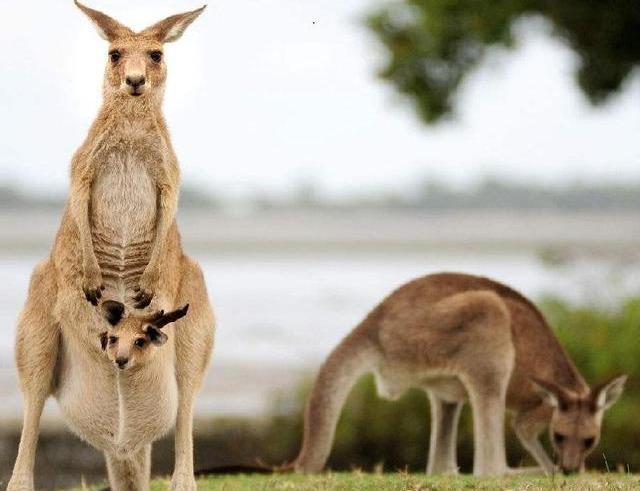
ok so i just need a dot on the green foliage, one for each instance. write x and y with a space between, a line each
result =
434 44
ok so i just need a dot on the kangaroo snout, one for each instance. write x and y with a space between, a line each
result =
135 83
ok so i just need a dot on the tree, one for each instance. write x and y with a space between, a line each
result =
434 44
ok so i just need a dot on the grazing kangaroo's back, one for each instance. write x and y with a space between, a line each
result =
530 332
462 338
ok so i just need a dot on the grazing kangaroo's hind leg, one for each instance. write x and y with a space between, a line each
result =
194 342
478 323
131 474
488 406
486 374
444 432
37 342
353 357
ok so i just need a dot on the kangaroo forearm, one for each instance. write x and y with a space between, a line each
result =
166 215
79 207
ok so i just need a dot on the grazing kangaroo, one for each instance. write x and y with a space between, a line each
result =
462 338
118 232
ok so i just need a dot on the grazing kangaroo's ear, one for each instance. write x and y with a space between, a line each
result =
171 317
171 28
113 311
107 27
605 395
103 340
155 335
553 394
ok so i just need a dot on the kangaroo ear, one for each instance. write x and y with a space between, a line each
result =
113 311
171 28
107 27
103 340
155 335
605 395
553 394
171 317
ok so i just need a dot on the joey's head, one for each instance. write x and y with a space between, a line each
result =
135 61
133 340
577 419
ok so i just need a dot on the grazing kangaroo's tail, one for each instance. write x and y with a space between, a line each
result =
353 357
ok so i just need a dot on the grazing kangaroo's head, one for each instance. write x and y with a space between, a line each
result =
577 419
131 340
135 64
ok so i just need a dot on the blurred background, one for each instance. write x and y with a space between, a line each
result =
330 152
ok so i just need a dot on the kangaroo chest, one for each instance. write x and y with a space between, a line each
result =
123 212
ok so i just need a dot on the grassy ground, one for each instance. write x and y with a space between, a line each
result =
414 482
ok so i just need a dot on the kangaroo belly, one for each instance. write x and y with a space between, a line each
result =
393 380
148 407
123 220
116 412
87 396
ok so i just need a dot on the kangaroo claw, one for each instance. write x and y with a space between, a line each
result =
143 299
93 295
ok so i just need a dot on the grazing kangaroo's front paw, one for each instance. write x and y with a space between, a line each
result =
145 289
92 284
183 482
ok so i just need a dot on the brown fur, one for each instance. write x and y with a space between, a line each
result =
464 338
118 232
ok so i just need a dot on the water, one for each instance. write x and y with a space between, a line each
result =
279 314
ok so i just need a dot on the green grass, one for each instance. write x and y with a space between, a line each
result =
415 482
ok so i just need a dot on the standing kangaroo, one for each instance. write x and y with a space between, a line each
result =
118 234
462 338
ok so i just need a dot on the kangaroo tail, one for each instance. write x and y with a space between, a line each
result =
354 356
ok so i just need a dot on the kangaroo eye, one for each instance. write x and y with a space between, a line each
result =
558 438
588 442
114 55
140 342
156 56
113 339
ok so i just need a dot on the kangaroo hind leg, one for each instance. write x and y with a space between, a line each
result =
132 473
444 430
484 364
487 384
36 352
194 342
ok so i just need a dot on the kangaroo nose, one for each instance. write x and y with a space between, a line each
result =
122 362
135 80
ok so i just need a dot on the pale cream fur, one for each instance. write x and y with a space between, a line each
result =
118 238
464 339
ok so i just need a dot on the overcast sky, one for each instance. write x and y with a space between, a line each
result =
259 97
